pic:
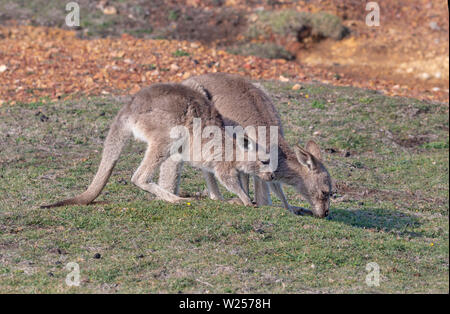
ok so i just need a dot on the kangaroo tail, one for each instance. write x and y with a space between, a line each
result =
115 141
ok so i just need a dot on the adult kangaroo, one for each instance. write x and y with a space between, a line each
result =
240 102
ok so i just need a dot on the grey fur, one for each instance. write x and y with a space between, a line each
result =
242 103
150 115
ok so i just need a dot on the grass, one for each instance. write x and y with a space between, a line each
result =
180 53
173 15
391 207
92 20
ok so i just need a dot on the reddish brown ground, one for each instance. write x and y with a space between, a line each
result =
403 56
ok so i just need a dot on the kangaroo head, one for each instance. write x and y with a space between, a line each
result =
315 185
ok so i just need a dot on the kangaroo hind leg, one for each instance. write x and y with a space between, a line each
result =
154 156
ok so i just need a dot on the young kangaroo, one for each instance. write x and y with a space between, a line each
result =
242 103
151 116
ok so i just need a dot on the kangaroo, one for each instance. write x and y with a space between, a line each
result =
151 116
242 103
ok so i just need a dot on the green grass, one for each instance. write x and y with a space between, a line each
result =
173 15
391 207
180 53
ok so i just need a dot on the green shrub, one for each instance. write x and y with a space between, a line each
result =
328 26
288 23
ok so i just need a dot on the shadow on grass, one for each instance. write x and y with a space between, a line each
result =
377 218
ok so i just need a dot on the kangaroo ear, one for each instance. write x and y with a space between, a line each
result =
305 158
314 149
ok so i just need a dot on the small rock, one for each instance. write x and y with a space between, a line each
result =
174 67
43 118
434 26
101 4
259 230
296 87
317 133
435 89
135 89
58 251
3 68
89 81
283 79
253 18
110 10
122 181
